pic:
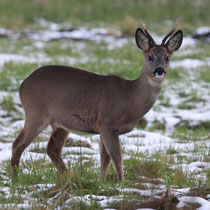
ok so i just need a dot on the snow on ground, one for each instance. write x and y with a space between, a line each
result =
203 33
6 58
186 200
135 141
190 63
98 35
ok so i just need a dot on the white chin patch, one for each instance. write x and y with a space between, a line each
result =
159 76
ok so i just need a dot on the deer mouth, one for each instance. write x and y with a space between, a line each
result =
159 73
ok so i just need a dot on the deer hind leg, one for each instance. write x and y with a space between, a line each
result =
30 131
112 145
54 148
105 160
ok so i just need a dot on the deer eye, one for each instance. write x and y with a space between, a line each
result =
167 58
150 58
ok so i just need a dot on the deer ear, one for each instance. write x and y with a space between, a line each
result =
175 41
141 40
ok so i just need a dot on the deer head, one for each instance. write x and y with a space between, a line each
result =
157 57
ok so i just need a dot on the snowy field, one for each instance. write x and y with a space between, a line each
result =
174 136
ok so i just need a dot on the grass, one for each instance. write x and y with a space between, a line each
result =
80 182
12 75
129 26
157 125
15 15
204 74
186 105
85 175
171 151
7 104
186 133
84 179
37 181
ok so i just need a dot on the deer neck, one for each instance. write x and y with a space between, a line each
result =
144 82
146 94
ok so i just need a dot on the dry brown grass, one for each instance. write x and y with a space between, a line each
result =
129 26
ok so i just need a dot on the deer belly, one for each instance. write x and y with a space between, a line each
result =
125 128
78 123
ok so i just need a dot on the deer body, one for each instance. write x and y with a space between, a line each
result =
82 101
71 99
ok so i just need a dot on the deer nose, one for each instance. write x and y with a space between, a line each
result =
159 72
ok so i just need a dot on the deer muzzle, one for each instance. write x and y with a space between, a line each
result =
159 73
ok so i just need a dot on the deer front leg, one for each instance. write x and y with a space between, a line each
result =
105 160
112 145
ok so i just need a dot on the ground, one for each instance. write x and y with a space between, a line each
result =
166 157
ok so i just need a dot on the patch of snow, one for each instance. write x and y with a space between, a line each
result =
98 35
195 166
145 209
145 141
188 41
18 124
5 190
105 202
6 58
44 185
32 156
5 32
154 186
5 151
203 30
171 119
38 44
78 150
147 193
189 63
85 199
50 25
180 191
187 52
185 200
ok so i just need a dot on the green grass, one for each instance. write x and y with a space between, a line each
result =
171 151
204 74
13 74
186 105
176 74
193 133
162 167
165 102
7 104
158 125
84 177
20 13
81 180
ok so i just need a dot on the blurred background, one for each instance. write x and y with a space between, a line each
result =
98 35
22 14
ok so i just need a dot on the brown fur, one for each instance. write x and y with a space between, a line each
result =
71 99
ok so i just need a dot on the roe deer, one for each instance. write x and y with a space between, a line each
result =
71 99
